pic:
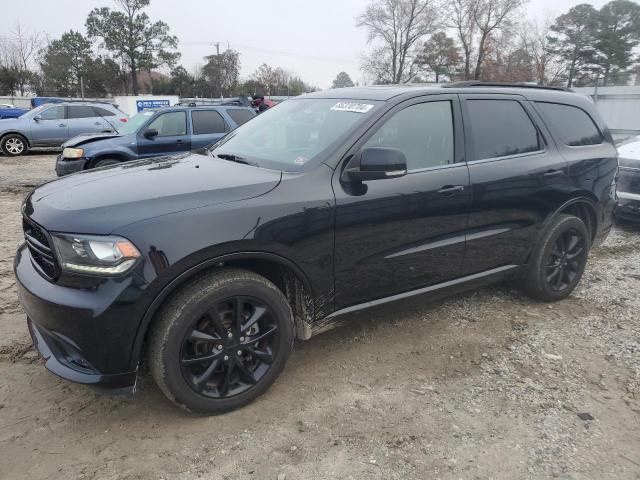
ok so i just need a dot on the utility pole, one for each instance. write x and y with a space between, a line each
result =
82 87
217 44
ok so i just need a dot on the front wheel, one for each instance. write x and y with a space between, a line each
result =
13 145
558 261
221 341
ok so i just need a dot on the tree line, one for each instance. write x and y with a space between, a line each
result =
120 52
449 40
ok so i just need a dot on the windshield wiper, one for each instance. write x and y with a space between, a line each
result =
234 158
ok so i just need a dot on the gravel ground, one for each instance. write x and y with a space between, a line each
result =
484 385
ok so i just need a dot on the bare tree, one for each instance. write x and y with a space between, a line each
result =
490 16
17 58
398 25
535 38
462 21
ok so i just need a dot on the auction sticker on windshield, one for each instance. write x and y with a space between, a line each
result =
352 107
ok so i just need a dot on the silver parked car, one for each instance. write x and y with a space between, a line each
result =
53 124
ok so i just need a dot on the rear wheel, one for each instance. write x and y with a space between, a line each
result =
221 341
13 145
559 259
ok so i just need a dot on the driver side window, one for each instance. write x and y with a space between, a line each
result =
423 132
53 113
170 124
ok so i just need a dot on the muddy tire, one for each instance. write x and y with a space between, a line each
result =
558 261
13 145
221 341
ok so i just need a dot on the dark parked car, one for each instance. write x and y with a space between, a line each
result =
9 111
152 133
629 181
208 265
52 125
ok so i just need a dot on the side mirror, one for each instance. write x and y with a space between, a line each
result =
150 133
37 118
376 163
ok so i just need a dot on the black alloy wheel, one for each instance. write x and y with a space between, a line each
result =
565 260
221 340
230 347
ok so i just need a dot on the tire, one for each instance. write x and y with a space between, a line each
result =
233 370
557 264
105 162
13 145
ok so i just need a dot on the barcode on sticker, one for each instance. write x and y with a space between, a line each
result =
352 107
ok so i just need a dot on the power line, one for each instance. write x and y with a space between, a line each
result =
280 52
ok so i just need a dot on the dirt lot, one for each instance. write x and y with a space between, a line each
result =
486 385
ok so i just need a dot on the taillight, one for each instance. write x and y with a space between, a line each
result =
124 120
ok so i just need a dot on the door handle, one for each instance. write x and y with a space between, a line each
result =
62 125
451 189
98 123
178 141
553 173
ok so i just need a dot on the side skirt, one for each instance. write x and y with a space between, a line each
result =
438 290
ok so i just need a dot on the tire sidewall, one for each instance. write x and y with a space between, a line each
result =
174 381
106 162
9 137
561 226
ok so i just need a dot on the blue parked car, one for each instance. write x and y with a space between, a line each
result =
152 133
9 111
52 125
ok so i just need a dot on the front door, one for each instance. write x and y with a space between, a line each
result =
49 128
400 234
172 135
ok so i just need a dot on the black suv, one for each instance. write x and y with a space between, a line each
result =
208 265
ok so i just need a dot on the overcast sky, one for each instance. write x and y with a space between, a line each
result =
315 39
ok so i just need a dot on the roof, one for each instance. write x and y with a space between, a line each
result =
387 92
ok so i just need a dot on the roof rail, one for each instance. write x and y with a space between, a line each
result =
475 83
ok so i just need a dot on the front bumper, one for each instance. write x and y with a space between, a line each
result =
628 207
67 166
86 335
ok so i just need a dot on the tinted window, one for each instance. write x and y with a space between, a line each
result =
573 125
500 128
207 121
81 111
424 132
103 112
240 116
170 124
53 113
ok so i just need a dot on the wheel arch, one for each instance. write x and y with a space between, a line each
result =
283 272
15 132
113 155
583 207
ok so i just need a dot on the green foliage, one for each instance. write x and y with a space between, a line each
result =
440 56
222 73
342 80
132 38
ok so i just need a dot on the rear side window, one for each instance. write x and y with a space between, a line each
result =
170 124
240 116
103 112
207 121
423 132
81 111
500 128
571 124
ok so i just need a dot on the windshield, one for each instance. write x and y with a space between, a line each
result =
291 134
135 122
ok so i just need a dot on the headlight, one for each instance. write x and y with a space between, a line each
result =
95 254
72 152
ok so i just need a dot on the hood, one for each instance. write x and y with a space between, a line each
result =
11 123
629 153
100 201
89 137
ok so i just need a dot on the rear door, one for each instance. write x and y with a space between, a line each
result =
207 127
49 128
517 177
172 135
400 234
83 119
